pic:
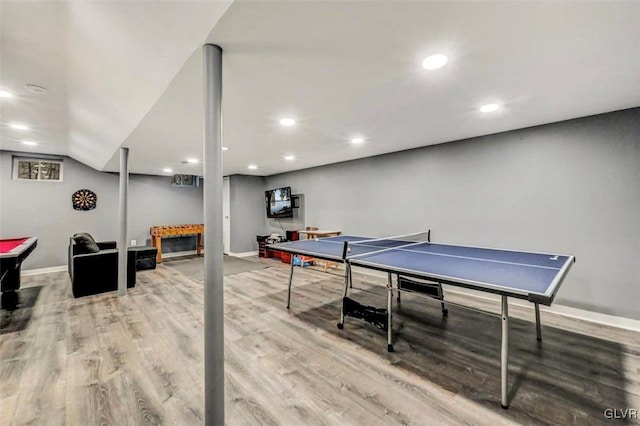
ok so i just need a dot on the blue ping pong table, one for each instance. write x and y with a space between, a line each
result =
535 277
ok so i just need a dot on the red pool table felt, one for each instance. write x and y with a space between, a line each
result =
7 245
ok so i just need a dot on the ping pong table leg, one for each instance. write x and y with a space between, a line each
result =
538 327
389 314
398 288
290 279
347 283
445 311
504 359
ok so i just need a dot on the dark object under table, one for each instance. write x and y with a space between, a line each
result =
145 257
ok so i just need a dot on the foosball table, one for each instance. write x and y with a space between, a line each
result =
157 232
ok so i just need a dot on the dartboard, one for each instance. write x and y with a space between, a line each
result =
84 199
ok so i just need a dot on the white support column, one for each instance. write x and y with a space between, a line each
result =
122 241
213 237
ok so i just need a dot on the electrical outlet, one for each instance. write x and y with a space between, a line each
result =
133 242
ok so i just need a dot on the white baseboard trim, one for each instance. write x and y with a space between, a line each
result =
193 252
566 311
30 272
595 317
243 254
179 254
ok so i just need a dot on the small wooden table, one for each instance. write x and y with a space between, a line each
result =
321 233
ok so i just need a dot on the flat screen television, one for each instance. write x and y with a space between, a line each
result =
278 202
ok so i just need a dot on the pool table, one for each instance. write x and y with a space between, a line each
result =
13 251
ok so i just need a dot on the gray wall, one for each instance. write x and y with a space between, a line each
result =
154 201
246 212
43 209
571 187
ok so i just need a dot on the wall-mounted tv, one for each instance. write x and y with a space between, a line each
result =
278 202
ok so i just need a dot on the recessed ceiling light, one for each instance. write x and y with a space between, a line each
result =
19 126
490 107
29 143
357 140
252 167
224 148
434 62
289 157
192 160
5 94
167 170
287 121
34 88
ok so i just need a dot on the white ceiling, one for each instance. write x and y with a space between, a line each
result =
104 63
340 68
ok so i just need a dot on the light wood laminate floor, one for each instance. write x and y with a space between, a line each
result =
139 359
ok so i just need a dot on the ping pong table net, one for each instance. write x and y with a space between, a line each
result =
355 249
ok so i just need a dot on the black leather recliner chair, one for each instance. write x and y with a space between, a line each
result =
97 271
